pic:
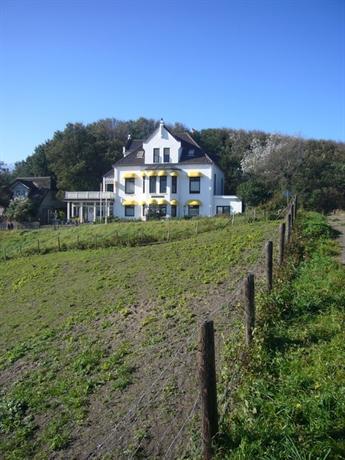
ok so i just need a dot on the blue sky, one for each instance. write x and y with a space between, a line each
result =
273 65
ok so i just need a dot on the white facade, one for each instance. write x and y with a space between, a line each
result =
166 175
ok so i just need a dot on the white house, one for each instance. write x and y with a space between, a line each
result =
167 173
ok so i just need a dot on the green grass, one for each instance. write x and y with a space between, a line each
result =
291 402
21 243
75 325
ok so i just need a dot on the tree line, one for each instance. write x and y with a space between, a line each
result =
259 167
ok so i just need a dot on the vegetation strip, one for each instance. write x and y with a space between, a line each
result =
291 399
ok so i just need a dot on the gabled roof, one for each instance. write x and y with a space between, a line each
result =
188 144
39 182
38 186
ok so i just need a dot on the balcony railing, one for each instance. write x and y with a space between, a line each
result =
89 196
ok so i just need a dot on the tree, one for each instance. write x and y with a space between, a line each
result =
20 210
253 192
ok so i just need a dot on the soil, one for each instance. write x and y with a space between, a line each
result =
337 221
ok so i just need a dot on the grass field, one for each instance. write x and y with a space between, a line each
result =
291 403
18 243
84 332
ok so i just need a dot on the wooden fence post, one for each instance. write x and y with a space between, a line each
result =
296 204
38 247
59 245
282 229
269 265
292 214
288 233
249 305
208 388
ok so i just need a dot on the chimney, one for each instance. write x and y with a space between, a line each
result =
124 148
161 125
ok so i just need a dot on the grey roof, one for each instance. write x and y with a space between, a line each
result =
187 144
39 182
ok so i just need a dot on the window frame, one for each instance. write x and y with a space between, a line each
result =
195 207
194 180
222 208
155 152
173 210
153 181
161 189
162 210
127 208
129 180
166 154
174 184
111 187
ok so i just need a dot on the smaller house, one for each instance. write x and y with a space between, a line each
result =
42 191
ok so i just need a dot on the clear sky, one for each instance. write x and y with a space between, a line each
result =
273 65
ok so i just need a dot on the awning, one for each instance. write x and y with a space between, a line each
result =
129 203
162 173
129 175
174 173
141 202
174 202
194 202
142 173
194 174
151 173
152 201
162 201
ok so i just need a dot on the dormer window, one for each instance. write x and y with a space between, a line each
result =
156 155
166 155
140 154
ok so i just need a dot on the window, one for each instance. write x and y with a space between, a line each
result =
173 210
191 153
129 211
215 184
110 187
166 155
153 184
163 184
162 210
193 211
140 154
156 155
129 186
174 184
144 182
223 210
194 185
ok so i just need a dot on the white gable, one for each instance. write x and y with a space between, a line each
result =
161 139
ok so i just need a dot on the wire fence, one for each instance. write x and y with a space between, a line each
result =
180 434
114 238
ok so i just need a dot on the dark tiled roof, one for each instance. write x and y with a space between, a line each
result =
187 143
134 145
131 159
35 182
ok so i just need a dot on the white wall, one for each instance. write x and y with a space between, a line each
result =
182 195
162 138
233 201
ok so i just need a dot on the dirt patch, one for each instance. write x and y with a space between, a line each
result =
337 221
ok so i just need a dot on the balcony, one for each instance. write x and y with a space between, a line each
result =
89 195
